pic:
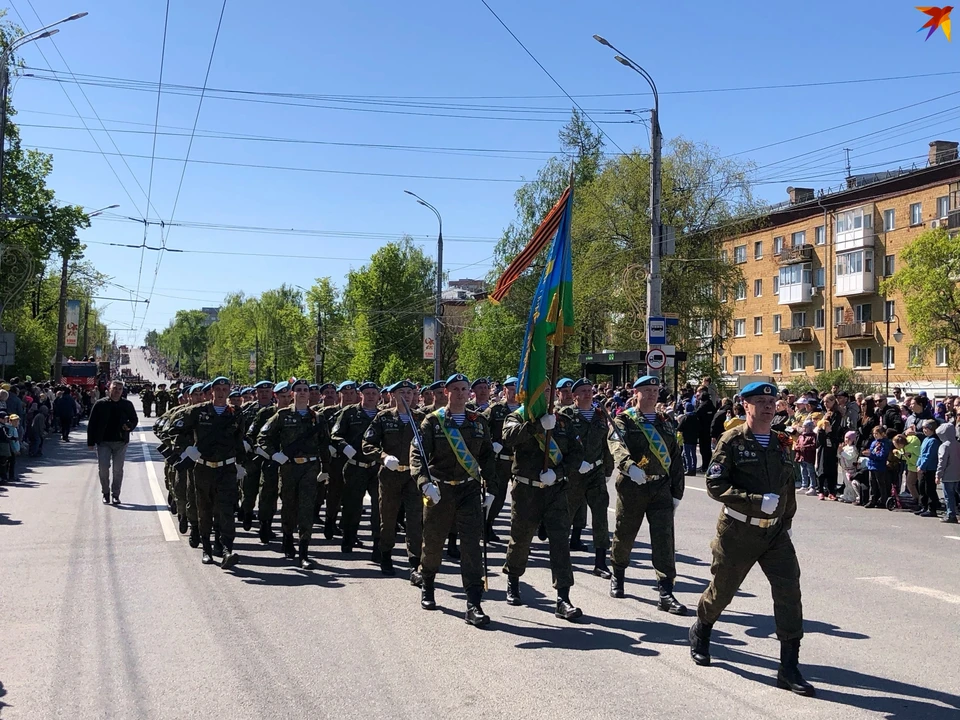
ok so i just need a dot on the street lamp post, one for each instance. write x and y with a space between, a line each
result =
898 336
654 280
438 305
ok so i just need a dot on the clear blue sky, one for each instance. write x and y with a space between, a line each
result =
434 52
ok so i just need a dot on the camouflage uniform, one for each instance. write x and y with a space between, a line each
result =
331 491
495 415
181 477
590 488
269 475
359 477
250 485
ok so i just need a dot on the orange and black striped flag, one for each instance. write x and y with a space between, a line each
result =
541 238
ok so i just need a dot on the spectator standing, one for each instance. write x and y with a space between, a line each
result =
15 404
38 429
849 412
877 466
927 470
805 451
829 438
948 469
111 421
911 456
706 409
849 461
6 448
64 410
689 428
888 414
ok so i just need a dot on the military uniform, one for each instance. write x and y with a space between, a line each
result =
267 490
162 399
332 491
650 483
253 422
146 397
495 415
181 474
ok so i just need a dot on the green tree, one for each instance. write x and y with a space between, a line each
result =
489 344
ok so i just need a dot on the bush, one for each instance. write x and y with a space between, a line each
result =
844 378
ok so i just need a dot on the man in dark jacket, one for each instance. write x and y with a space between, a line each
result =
65 410
111 421
705 412
889 415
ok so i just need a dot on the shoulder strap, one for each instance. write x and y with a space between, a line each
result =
466 459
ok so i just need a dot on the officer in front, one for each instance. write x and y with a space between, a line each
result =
752 474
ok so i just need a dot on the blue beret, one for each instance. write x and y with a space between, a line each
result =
512 380
219 381
438 385
479 381
581 383
403 385
234 393
647 380
564 383
246 391
314 386
281 386
457 377
367 385
759 388
299 381
388 387
196 387
263 384
346 384
323 386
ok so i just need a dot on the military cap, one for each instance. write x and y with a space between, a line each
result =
324 386
346 384
263 384
581 383
219 381
298 381
758 388
366 385
563 383
647 381
195 388
387 388
314 386
206 386
457 377
162 385
281 386
234 393
438 385
479 381
402 385
512 380
246 391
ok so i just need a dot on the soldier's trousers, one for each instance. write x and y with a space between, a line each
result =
578 515
591 489
250 485
653 500
459 509
529 506
216 490
186 506
298 492
331 491
357 482
146 409
169 476
269 491
398 489
498 488
736 548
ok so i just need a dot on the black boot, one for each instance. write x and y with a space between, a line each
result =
207 557
183 525
376 555
453 552
264 533
576 543
171 503
600 568
230 558
788 674
247 519
305 562
194 540
542 531
513 590
616 582
288 550
346 543
416 578
386 564
328 529
217 547
492 537
699 637
668 603
475 615
566 610
427 601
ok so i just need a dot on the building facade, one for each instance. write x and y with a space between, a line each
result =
810 299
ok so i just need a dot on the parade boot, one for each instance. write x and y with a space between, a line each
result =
492 537
247 520
475 615
788 674
513 590
183 525
305 561
288 550
194 540
616 582
576 543
171 503
427 601
453 552
207 557
668 603
416 578
328 529
699 637
542 531
217 547
264 533
386 564
230 558
600 568
346 544
566 610
376 555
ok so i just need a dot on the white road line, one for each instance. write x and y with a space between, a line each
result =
170 533
952 537
896 584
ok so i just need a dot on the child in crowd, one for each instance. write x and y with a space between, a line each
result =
948 469
805 449
14 432
911 456
926 470
895 463
877 454
849 461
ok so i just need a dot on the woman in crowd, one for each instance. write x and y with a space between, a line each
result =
829 434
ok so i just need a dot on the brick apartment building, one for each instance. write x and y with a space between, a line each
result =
810 298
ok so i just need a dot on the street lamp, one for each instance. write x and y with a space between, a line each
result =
654 281
898 336
39 34
438 307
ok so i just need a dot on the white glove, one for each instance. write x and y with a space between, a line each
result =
246 446
487 502
497 448
549 422
676 503
391 462
279 458
262 453
637 474
585 467
192 453
323 477
241 472
790 533
548 477
349 451
769 504
333 450
431 492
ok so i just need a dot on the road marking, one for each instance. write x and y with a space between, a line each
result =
170 533
952 537
896 584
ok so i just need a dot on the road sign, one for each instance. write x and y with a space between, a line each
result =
656 330
656 359
668 350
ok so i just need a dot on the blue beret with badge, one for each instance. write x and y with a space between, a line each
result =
458 377
479 381
758 388
512 380
323 386
402 385
346 385
263 384
564 383
581 383
195 388
246 391
315 386
294 382
647 381
368 385
281 386
217 381
234 393
206 386
438 385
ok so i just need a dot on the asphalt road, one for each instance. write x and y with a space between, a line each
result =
139 365
108 613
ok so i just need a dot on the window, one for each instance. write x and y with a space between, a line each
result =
798 238
777 245
889 357
740 328
777 362
757 288
723 365
741 291
943 206
758 250
739 363
798 320
916 213
776 284
776 323
740 254
723 294
703 328
819 235
724 256
795 274
798 361
838 316
818 317
724 330
852 263
863 313
943 356
889 220
889 310
837 359
915 356
818 359
889 265
758 326
819 277
853 220
861 358
757 363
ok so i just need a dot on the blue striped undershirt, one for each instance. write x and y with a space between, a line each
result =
650 417
404 418
459 418
218 409
370 413
588 414
764 440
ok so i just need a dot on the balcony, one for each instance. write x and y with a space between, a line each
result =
795 293
855 330
862 283
801 253
953 219
791 336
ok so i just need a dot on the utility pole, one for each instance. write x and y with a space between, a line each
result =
321 348
86 328
438 305
62 321
256 356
